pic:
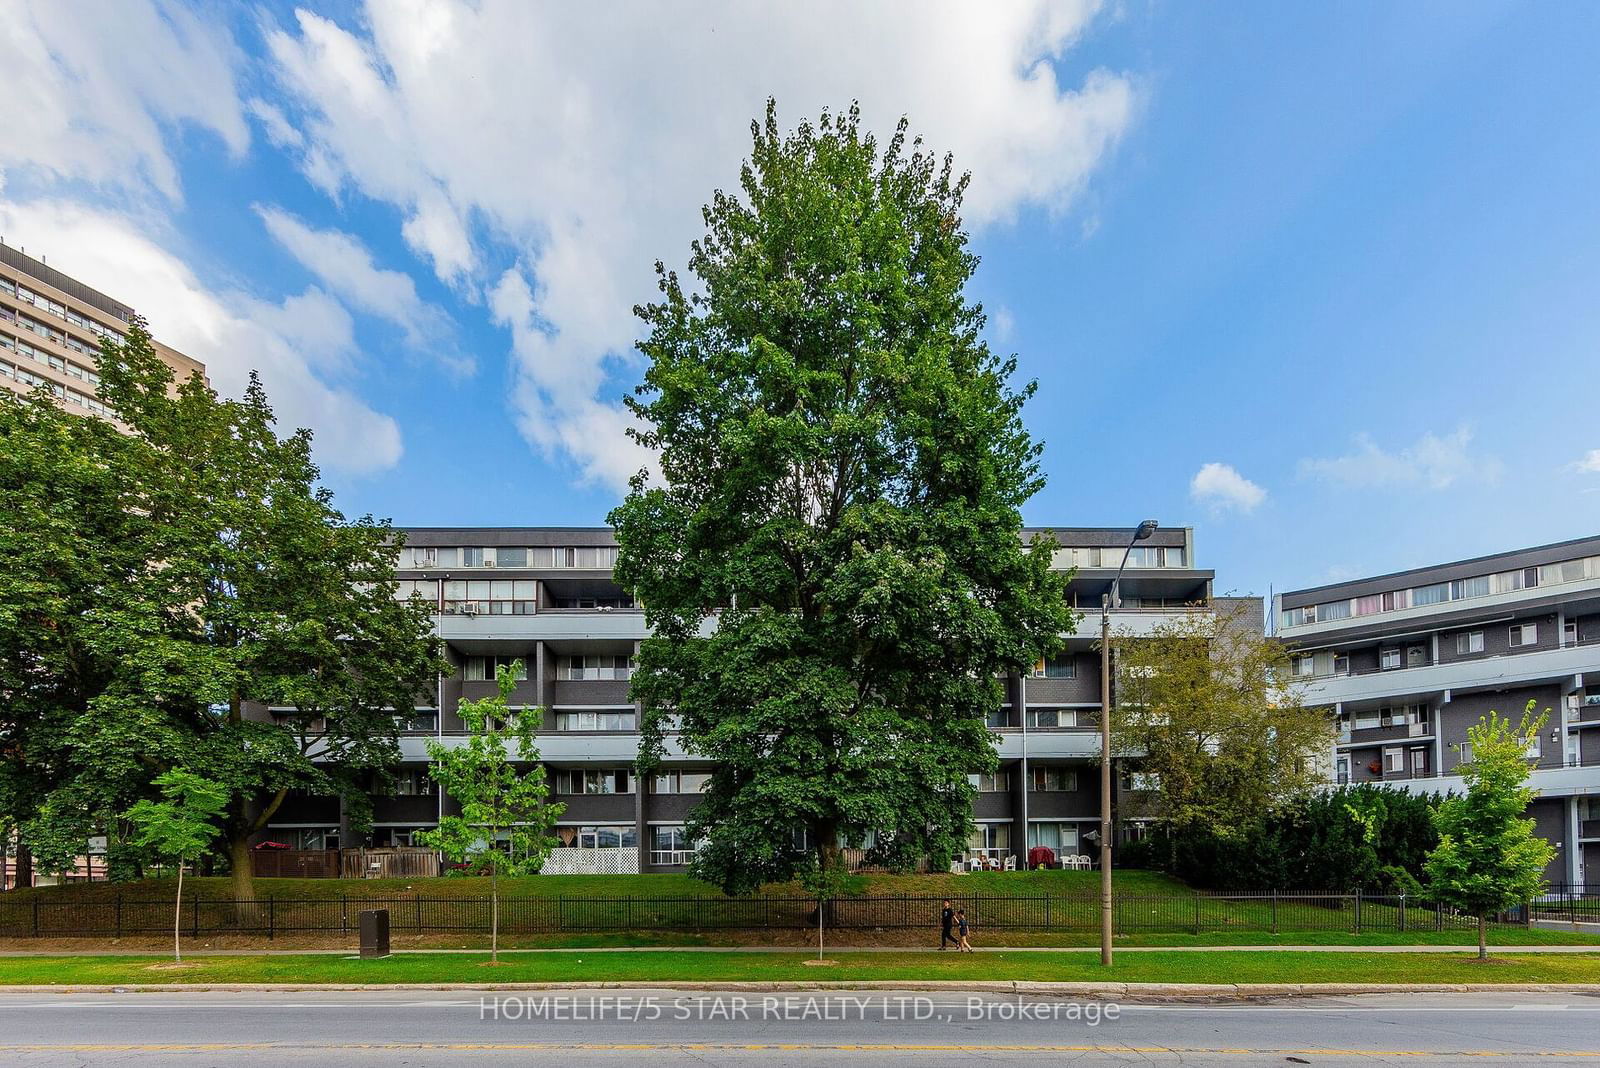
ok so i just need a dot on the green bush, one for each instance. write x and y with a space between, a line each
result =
1356 837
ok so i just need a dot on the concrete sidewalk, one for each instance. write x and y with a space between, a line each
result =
1593 949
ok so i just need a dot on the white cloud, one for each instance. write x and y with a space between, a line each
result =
1432 462
280 131
1221 488
346 266
90 89
580 143
295 346
1589 463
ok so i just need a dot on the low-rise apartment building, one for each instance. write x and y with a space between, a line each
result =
51 326
546 596
1407 662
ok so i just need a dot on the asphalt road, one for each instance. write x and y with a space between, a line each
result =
624 1026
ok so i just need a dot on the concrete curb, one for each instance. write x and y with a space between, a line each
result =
1125 990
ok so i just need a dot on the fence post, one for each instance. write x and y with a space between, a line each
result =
1274 911
1402 911
1358 910
344 915
1438 916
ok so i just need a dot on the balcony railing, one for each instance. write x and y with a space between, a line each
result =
671 857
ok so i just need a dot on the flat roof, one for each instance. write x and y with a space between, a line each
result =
21 261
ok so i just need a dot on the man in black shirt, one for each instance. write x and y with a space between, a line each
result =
947 920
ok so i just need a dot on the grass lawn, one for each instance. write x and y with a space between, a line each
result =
974 884
644 968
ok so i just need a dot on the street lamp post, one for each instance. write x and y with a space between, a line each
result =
1108 601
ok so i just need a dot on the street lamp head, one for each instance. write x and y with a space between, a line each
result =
1147 528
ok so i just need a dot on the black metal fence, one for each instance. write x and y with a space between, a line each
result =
1263 913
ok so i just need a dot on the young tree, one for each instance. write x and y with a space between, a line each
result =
843 463
504 800
180 827
1203 708
192 577
1488 857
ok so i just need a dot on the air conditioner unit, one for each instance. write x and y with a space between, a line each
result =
488 563
469 608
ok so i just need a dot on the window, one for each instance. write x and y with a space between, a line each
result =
1535 748
998 782
594 782
998 719
1054 835
1416 656
591 837
670 845
413 782
1566 571
1569 633
1144 780
1472 587
1341 664
508 557
487 668
1052 717
1056 667
1438 593
1395 600
1470 642
490 597
1333 610
424 720
1368 606
1394 761
603 666
1342 770
1172 556
1054 780
475 557
1304 666
1524 634
680 782
1464 753
990 837
1388 659
596 721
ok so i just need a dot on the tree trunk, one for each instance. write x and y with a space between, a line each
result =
177 920
1483 936
241 870
494 910
24 865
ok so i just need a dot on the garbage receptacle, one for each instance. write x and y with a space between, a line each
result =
374 932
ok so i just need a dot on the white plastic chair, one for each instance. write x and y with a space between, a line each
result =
974 863
956 868
1011 862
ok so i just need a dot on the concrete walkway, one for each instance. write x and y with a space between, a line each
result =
1594 949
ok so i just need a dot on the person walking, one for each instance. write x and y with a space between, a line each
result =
962 929
947 921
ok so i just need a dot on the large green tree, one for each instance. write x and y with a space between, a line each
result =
832 565
194 600
1488 857
1205 711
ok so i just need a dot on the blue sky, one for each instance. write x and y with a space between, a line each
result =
1321 283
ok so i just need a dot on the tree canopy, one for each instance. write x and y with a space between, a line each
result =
1204 708
1488 857
185 594
832 563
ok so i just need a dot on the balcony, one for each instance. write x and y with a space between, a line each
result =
1490 672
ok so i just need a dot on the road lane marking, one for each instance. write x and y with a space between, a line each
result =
767 1047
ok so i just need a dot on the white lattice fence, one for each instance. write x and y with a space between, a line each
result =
624 861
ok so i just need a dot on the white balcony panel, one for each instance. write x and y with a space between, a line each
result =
1547 782
1130 624
1495 672
1045 744
542 626
557 746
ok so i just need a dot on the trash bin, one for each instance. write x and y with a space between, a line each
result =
374 933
